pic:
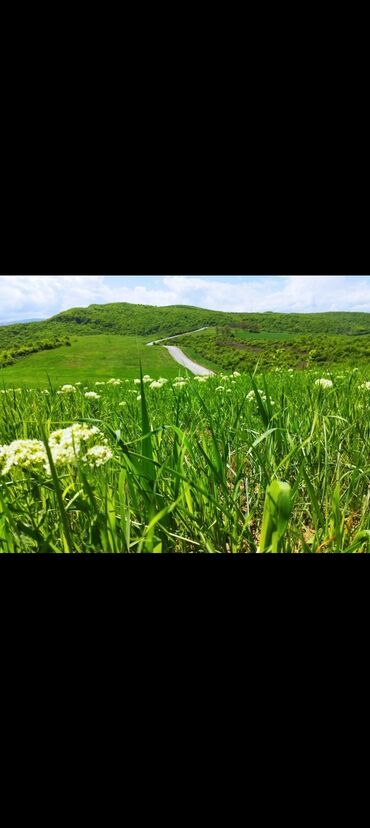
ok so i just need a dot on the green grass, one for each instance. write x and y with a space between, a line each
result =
269 462
99 357
193 469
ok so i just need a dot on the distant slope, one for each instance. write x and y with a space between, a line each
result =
18 321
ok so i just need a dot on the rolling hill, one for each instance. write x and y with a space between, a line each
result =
150 321
234 340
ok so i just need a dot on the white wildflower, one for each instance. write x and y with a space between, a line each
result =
365 385
92 395
65 447
97 456
26 454
251 395
67 389
324 383
65 443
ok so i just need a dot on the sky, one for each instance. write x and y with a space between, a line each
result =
31 297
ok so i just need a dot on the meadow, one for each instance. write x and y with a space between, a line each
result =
165 462
86 358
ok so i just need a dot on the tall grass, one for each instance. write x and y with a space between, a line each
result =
195 468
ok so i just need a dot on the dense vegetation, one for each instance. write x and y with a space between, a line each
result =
17 351
184 466
232 348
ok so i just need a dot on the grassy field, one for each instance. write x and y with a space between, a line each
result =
186 467
100 356
271 454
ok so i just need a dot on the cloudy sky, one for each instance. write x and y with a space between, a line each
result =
28 297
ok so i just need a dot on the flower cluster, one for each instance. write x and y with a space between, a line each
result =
66 445
252 397
97 456
324 383
146 378
26 454
365 385
67 389
158 383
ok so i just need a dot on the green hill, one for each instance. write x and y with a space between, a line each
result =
152 321
235 339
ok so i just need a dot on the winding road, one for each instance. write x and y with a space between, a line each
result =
178 355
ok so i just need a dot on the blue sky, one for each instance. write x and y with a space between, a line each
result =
26 297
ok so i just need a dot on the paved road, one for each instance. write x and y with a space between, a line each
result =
182 359
156 341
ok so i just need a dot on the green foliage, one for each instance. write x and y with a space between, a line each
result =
9 357
243 349
197 468
276 514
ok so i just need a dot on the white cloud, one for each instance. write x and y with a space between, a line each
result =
23 297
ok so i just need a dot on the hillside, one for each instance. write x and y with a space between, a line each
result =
235 339
235 349
148 320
